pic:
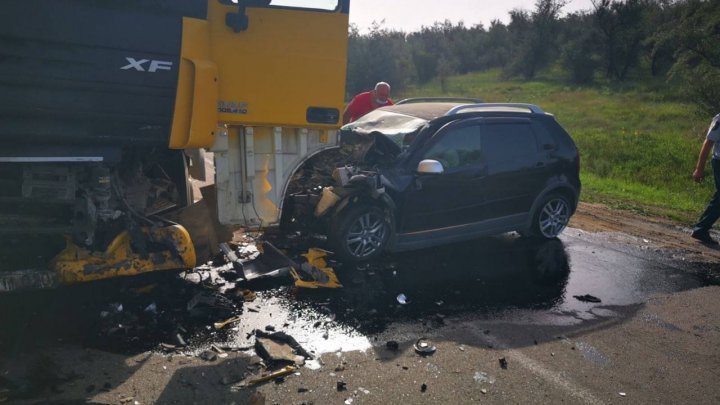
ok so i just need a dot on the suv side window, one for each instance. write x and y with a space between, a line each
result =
458 148
507 142
545 140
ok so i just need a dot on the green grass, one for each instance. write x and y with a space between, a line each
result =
638 143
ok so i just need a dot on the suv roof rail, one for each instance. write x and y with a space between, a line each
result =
531 107
438 100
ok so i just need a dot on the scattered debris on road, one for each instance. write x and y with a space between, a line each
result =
424 347
152 308
220 325
279 348
503 363
587 298
313 364
313 272
482 377
255 260
179 315
266 376
208 355
247 295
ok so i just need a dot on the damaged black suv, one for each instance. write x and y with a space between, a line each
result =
421 174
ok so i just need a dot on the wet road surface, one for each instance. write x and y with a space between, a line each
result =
506 279
480 300
524 290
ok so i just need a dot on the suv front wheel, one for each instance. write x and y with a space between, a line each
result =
360 234
552 216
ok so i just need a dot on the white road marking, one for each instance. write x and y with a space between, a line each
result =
552 377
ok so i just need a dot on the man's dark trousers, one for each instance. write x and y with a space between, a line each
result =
712 212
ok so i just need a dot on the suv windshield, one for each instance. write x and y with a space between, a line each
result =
394 126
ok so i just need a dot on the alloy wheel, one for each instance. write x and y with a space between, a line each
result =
554 217
366 235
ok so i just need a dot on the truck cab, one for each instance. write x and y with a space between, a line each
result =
101 100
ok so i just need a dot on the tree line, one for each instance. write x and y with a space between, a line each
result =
616 40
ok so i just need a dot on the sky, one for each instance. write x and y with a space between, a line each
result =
410 15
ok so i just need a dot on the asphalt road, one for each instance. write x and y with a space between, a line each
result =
653 338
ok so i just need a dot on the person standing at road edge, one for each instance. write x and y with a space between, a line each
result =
701 230
363 103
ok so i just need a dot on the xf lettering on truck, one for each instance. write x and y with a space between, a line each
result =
153 67
232 107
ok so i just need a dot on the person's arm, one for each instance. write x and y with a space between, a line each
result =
349 111
713 135
346 115
699 174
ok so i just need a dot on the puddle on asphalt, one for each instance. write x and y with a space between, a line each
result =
478 279
496 279
505 279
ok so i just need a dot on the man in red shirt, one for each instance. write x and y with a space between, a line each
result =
363 103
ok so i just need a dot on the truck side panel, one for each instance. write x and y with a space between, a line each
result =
254 166
81 71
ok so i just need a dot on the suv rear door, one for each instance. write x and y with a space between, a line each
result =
516 167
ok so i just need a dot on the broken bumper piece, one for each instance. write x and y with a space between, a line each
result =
76 264
314 273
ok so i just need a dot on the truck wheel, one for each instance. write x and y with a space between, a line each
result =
552 216
360 234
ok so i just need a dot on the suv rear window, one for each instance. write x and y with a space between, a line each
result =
504 142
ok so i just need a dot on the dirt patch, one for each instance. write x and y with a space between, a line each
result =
664 233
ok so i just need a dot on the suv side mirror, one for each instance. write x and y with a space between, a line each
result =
429 166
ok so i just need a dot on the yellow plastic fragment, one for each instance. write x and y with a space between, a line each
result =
316 259
280 373
220 325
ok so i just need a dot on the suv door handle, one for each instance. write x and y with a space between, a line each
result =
540 164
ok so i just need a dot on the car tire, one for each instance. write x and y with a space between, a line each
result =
360 234
551 217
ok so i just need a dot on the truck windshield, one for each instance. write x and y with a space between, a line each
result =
328 5
314 4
